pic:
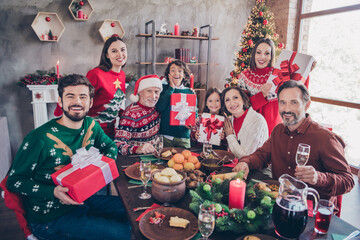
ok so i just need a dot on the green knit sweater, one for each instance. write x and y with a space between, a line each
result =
42 150
164 107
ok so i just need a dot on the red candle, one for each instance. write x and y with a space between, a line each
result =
177 29
237 191
57 69
191 81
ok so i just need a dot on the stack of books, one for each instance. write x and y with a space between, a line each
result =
182 54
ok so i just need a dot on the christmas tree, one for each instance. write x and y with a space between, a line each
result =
260 24
112 108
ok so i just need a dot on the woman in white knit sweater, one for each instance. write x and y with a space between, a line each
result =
245 129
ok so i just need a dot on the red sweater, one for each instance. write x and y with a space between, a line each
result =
109 97
251 81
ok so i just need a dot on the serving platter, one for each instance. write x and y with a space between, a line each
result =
134 170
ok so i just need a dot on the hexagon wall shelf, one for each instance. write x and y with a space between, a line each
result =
46 21
110 27
86 10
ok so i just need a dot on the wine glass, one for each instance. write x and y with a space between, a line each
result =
145 174
159 146
207 149
206 220
302 154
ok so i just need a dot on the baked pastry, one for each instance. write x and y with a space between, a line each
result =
166 154
178 222
173 151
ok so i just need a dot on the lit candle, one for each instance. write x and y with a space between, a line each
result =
177 29
237 191
191 81
57 69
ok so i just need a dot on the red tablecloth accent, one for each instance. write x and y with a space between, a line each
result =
154 206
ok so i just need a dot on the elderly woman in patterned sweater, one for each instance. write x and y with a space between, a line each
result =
246 130
140 123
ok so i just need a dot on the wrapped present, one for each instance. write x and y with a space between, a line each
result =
211 127
88 172
289 66
183 109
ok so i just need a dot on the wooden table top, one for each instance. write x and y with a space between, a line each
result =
131 200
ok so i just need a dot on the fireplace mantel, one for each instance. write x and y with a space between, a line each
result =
41 96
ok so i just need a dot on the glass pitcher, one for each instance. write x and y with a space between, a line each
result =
290 212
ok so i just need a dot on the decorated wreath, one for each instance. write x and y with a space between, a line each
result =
255 216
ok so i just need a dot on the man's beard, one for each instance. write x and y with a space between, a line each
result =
287 122
75 117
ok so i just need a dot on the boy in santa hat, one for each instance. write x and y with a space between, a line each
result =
139 124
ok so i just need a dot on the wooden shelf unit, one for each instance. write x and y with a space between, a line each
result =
86 9
107 30
41 26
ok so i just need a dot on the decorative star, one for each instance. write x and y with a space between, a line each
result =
38 95
117 84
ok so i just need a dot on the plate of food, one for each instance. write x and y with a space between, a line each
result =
256 237
194 177
168 152
271 186
226 156
134 170
169 223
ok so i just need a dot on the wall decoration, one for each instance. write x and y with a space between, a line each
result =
111 27
81 10
48 26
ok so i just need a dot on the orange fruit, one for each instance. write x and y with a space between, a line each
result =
189 165
197 165
186 154
178 158
185 161
171 163
178 166
193 159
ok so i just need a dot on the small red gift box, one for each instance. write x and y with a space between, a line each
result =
211 127
289 66
183 109
87 176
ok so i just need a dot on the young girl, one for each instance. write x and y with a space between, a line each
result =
176 75
245 129
109 81
212 106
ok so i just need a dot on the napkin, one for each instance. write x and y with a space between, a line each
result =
233 164
154 206
149 157
310 208
133 164
138 182
336 236
195 154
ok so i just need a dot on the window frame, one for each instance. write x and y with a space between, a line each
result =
302 16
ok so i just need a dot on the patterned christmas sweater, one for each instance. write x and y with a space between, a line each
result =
42 150
138 124
251 81
164 107
109 97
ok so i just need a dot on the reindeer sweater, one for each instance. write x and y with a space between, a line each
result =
42 150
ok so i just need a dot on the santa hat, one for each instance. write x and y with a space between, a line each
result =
145 82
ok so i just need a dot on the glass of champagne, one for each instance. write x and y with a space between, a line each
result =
207 149
159 146
302 154
145 174
206 221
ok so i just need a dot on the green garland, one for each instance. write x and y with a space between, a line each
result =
255 216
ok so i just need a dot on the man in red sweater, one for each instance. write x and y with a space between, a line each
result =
139 124
326 170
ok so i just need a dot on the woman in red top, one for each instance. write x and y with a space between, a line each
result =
253 81
109 81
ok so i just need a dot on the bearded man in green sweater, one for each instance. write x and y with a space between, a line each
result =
50 212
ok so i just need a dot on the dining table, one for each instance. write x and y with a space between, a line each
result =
131 200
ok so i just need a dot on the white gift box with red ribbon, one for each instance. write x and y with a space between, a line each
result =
211 127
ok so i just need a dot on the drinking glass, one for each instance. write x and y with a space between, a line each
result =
302 154
159 146
323 216
207 149
145 174
206 221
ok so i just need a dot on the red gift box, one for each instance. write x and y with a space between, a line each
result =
183 109
83 181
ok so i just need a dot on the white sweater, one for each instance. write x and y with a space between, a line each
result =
252 135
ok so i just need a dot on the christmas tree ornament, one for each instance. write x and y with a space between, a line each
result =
81 3
260 14
265 22
250 42
281 45
112 24
47 19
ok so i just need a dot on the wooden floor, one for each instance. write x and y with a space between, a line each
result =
10 230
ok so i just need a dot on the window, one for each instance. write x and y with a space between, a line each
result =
329 31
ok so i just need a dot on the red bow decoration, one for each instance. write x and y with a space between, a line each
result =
287 72
211 124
